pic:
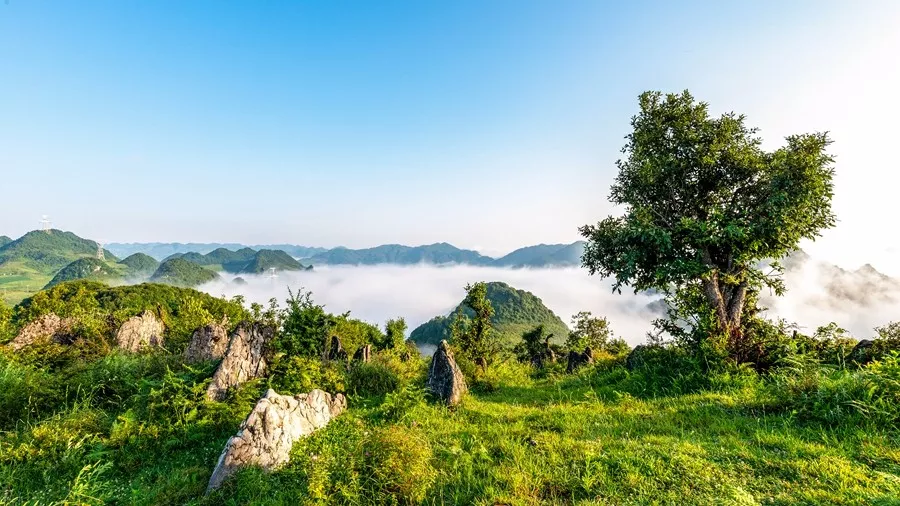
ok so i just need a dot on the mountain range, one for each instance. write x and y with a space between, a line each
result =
541 255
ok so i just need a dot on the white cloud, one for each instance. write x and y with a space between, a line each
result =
418 293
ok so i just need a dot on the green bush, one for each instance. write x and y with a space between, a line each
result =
826 394
298 374
506 373
26 393
372 379
399 460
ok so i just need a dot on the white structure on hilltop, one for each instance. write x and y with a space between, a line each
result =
45 223
100 251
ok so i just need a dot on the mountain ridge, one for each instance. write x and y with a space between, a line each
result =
536 256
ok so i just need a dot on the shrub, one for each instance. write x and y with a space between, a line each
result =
398 405
506 373
26 393
826 394
297 374
399 460
372 379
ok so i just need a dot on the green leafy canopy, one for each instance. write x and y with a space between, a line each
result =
700 194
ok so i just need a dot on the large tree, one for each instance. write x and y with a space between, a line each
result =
705 205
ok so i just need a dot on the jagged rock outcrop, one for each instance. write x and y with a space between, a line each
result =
445 380
208 342
140 332
48 327
336 350
245 359
363 354
577 360
265 438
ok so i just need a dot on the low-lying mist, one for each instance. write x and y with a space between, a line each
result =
817 294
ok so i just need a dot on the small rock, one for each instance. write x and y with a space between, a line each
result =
266 436
245 359
207 343
140 332
363 354
48 327
445 380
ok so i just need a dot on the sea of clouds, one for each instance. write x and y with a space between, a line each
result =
420 292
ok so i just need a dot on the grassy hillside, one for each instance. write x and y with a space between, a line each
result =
87 268
135 429
267 259
440 253
30 262
515 312
140 264
180 272
47 252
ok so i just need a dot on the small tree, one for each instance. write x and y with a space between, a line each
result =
475 336
535 346
304 326
395 334
705 205
588 330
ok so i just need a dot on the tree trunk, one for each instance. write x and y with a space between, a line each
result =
728 303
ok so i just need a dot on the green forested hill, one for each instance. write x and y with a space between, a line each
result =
440 253
180 272
544 255
85 268
47 252
140 264
267 259
515 311
4 240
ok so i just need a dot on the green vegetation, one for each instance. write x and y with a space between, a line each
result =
692 417
704 206
47 252
85 268
180 272
139 264
515 312
267 259
4 240
30 262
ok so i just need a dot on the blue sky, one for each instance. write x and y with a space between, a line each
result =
489 125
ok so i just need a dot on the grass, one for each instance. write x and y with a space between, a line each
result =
18 281
579 439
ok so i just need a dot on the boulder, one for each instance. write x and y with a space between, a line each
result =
445 380
363 354
336 350
265 438
577 360
208 342
245 359
48 327
140 332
